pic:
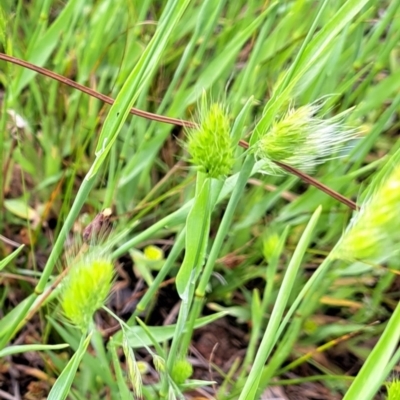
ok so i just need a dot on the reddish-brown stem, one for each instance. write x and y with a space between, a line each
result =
326 189
93 93
310 180
174 121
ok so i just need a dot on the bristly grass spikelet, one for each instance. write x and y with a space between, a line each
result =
393 389
133 369
181 371
86 288
303 139
90 276
210 145
373 233
159 363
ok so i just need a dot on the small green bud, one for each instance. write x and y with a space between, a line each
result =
310 326
373 233
302 139
143 367
270 243
181 371
86 288
153 253
210 144
152 258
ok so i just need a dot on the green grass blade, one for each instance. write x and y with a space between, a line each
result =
136 81
123 388
226 57
62 386
138 338
42 47
270 338
5 261
31 347
373 372
197 231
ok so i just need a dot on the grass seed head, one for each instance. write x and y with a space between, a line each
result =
86 288
393 390
159 363
302 139
181 371
373 233
134 373
210 145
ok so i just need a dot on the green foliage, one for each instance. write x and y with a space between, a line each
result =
287 263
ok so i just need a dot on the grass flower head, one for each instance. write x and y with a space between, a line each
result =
181 371
373 233
302 139
393 389
210 145
86 288
134 372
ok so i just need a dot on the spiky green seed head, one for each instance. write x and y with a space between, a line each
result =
302 139
373 233
393 390
86 288
181 371
210 145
